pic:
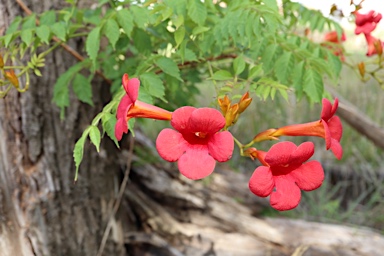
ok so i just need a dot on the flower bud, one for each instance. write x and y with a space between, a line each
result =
244 102
1 62
231 115
378 47
224 104
361 67
11 77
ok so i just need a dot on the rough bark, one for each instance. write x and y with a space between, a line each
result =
43 213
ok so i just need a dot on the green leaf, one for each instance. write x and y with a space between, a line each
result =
124 18
43 32
239 65
153 84
14 25
179 35
197 11
313 84
26 36
297 78
78 151
109 123
140 16
112 32
199 30
142 41
60 30
222 75
92 44
255 71
82 88
267 57
284 94
29 22
48 18
60 89
94 135
283 67
169 67
335 64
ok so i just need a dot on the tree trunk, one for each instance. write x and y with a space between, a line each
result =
42 212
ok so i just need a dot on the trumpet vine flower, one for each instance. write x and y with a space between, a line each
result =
129 107
197 142
284 173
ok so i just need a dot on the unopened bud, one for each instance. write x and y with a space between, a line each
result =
378 47
11 77
231 115
1 62
224 104
244 102
361 67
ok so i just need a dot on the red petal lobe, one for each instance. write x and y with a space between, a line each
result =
309 176
207 120
196 164
287 195
220 146
170 144
261 182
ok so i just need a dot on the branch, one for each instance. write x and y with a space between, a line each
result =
359 121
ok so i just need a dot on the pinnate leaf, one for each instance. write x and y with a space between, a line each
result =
169 67
94 135
153 84
83 89
197 11
109 123
112 32
313 84
92 43
43 32
59 30
124 18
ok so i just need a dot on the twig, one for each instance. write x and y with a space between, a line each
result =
118 199
62 44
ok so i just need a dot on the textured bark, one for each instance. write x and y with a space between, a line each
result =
42 211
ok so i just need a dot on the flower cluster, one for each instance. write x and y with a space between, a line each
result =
200 137
365 24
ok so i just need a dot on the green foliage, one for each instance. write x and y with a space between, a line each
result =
173 45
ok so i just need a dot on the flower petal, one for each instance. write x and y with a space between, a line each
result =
326 110
131 87
170 144
180 118
287 195
120 128
337 149
196 163
308 176
124 106
261 182
220 146
327 134
335 106
335 127
303 152
207 120
280 153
